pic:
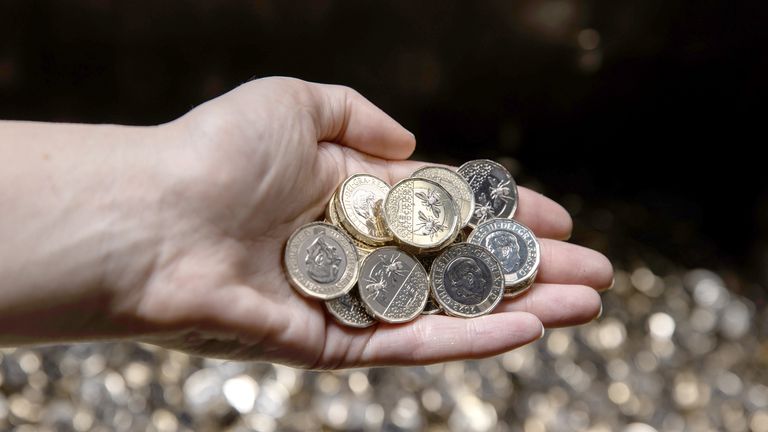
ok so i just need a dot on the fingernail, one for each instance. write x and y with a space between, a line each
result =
600 312
543 330
613 282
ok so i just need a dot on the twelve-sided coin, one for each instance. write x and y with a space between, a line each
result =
467 280
494 188
349 310
359 203
321 261
516 248
393 285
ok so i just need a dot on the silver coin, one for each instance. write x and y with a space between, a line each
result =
467 280
516 248
349 310
456 185
494 188
321 261
393 285
358 205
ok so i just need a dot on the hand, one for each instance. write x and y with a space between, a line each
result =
263 160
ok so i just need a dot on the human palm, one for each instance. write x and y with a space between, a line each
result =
264 159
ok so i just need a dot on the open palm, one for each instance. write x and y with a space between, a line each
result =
264 159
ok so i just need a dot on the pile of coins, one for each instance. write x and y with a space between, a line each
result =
438 241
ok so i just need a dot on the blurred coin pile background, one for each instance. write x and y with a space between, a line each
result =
610 105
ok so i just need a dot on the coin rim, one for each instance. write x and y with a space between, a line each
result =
463 223
473 225
447 310
418 247
306 291
380 316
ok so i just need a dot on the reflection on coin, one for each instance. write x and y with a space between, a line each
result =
321 261
456 185
349 310
516 248
494 188
421 214
467 280
333 217
432 307
359 203
393 285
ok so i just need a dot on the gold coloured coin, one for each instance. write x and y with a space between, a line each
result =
321 261
421 214
333 217
456 185
359 202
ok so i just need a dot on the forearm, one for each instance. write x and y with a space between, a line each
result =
72 199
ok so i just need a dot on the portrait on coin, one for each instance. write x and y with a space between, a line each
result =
322 260
507 248
467 281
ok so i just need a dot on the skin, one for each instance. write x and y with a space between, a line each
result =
174 234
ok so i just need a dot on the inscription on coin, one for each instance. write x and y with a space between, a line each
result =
516 248
467 280
321 261
393 285
495 190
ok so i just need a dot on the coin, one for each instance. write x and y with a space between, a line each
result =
432 307
321 261
456 185
358 204
349 310
467 280
333 217
494 188
516 248
393 285
421 214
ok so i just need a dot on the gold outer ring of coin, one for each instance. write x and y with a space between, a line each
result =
312 288
456 185
392 217
333 217
348 222
514 284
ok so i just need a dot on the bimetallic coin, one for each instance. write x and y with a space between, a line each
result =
516 248
494 188
330 212
456 185
349 310
467 280
393 285
333 217
359 202
321 261
421 214
432 307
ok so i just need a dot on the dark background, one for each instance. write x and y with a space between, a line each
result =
643 118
